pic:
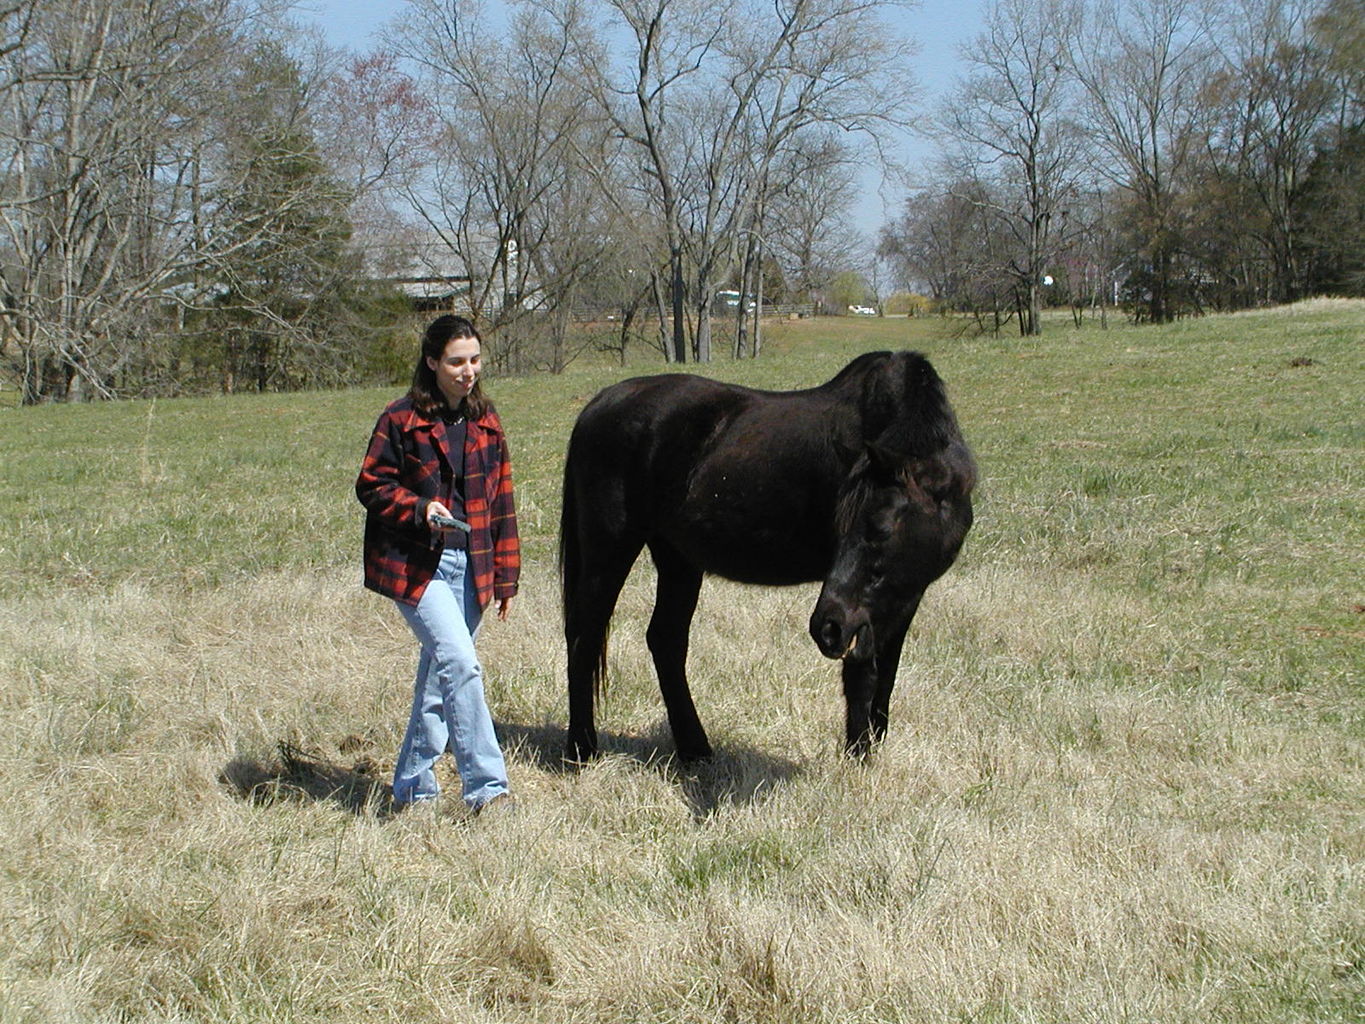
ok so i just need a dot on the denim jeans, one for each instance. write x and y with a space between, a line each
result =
448 706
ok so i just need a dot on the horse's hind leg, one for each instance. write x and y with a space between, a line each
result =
674 604
588 607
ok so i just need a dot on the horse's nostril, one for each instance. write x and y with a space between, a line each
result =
828 635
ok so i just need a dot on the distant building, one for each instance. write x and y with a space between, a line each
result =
431 275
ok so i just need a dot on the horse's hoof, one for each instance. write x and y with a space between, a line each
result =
860 749
695 755
579 754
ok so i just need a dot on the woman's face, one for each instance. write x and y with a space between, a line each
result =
457 369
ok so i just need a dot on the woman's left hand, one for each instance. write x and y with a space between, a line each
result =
504 609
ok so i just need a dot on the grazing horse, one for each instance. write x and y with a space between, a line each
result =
864 483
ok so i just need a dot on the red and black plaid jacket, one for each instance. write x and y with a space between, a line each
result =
407 466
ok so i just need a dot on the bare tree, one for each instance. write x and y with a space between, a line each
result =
945 240
120 205
1143 65
1011 122
836 66
671 41
711 97
812 189
371 122
95 211
504 183
1094 257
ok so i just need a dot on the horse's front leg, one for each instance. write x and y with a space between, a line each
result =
860 684
868 684
675 602
890 643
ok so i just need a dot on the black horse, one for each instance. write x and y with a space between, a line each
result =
864 482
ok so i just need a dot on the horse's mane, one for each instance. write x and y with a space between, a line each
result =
909 430
902 403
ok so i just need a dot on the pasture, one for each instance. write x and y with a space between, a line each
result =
1124 779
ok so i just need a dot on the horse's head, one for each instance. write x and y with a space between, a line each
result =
900 523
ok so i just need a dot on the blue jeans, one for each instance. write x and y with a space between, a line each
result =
448 706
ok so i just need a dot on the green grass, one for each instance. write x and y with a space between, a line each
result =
1124 779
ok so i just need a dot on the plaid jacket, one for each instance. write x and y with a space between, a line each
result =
406 467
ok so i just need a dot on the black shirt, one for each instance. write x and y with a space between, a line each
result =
455 442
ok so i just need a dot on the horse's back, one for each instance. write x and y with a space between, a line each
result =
745 482
644 403
740 481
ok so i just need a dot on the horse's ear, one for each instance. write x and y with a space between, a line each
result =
884 463
930 474
944 476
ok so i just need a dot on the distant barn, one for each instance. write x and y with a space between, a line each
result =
432 276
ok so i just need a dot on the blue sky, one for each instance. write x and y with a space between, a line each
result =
940 26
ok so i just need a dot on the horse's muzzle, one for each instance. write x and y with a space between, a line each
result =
841 636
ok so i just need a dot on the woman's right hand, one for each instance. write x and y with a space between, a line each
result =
434 509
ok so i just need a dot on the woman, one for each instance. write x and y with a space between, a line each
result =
441 541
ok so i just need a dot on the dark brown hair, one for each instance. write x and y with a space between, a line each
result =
426 395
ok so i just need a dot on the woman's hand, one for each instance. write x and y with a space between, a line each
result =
434 509
504 609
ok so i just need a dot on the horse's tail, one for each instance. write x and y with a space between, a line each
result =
571 573
569 560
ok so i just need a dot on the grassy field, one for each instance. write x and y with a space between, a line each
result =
1124 782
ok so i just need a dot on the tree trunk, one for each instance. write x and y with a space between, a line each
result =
679 321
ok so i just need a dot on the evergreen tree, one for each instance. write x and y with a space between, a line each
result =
285 272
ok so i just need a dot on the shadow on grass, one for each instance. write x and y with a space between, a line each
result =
297 775
733 776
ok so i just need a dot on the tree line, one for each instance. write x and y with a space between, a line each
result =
1174 156
197 195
